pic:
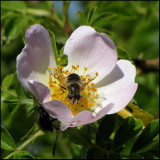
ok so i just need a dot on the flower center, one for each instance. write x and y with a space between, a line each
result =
75 90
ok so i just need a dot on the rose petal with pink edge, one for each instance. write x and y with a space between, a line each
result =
40 91
86 117
91 49
32 63
59 110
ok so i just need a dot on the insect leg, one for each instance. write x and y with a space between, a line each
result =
62 88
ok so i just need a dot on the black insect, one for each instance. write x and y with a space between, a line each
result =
45 121
74 88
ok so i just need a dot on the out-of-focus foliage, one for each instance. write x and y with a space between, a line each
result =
134 28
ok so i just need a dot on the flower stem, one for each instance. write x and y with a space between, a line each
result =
34 136
65 15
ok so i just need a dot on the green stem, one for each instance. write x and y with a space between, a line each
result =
34 136
65 15
38 12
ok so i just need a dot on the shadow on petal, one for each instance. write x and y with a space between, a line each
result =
107 40
113 76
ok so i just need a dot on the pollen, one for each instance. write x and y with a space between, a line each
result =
96 94
92 97
59 60
92 84
59 88
95 89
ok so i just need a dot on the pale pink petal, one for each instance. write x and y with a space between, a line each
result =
59 110
36 56
120 98
86 117
119 86
121 76
90 49
40 91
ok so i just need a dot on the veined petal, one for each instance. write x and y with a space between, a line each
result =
91 49
36 56
40 91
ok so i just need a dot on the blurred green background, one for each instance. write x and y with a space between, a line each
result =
133 26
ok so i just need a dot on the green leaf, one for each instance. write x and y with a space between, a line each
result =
30 104
30 109
18 6
78 135
90 15
54 47
23 155
33 130
28 94
128 146
122 54
7 81
147 137
145 117
64 60
6 15
101 17
105 128
7 141
61 52
38 12
105 21
102 30
49 4
15 27
21 100
82 17
24 42
129 128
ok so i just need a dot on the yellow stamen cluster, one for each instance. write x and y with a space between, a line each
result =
59 91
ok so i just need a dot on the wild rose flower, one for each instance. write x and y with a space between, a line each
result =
107 84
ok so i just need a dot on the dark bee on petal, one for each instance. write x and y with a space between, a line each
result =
45 121
74 88
46 124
